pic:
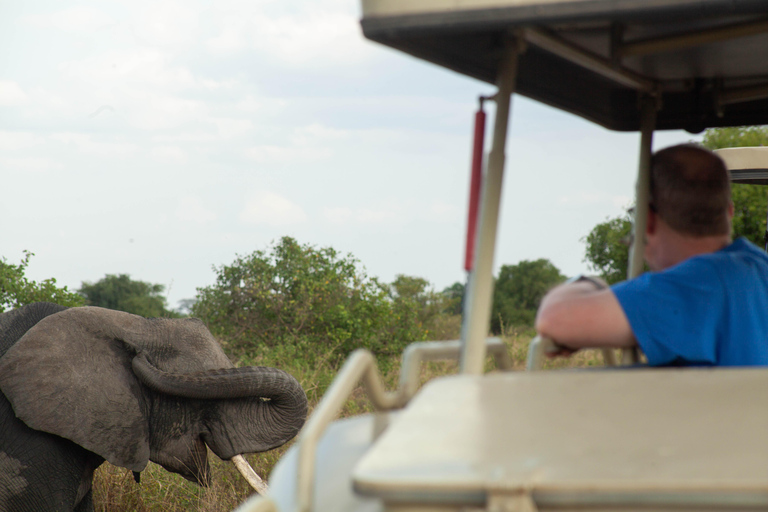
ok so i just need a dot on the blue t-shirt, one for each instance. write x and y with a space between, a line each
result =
711 309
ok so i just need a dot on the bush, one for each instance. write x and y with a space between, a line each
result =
16 289
420 312
311 299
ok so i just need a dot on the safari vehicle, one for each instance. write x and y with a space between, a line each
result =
646 439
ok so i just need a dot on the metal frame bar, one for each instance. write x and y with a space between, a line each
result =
687 40
417 353
648 110
477 306
743 94
586 59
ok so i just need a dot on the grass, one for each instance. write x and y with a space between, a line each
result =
161 491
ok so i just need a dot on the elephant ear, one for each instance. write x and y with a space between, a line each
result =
70 375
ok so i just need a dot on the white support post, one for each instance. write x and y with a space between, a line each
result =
477 306
648 110
642 190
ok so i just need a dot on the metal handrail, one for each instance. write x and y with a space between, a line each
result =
419 352
361 366
537 352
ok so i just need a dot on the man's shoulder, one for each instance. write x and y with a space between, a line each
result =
740 250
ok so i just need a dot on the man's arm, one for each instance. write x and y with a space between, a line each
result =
578 315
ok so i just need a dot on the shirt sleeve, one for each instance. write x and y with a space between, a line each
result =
674 313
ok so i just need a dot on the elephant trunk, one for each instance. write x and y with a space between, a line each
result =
257 408
273 384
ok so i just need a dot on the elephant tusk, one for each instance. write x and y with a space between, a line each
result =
249 474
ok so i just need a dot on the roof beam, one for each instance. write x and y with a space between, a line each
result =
586 59
689 39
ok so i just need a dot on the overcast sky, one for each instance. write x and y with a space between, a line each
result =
162 138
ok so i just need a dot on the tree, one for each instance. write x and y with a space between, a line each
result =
311 298
737 136
120 292
606 251
608 248
455 296
519 290
417 308
17 290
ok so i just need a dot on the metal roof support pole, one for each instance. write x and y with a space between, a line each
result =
477 306
648 108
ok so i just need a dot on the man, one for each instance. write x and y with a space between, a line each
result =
705 301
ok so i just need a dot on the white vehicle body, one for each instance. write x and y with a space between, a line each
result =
640 439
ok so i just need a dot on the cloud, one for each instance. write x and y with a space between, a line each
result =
85 144
190 208
228 127
165 23
73 19
272 209
11 94
230 39
362 216
143 67
29 163
316 132
595 198
317 38
267 154
157 111
169 154
338 215
442 211
12 141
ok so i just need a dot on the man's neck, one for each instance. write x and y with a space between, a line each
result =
678 247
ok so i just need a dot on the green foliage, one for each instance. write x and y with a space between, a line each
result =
750 201
750 204
455 298
120 292
17 290
607 248
737 136
310 298
518 291
417 308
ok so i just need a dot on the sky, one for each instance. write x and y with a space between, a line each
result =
161 139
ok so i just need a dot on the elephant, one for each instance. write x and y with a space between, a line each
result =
84 385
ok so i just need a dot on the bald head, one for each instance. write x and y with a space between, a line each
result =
691 190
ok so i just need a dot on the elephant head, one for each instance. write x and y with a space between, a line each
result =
132 389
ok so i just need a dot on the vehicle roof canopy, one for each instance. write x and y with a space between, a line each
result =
704 59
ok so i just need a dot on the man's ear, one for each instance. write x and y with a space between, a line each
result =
730 209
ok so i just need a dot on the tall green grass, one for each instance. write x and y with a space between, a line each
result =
161 491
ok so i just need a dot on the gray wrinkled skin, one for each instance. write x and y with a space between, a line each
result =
71 399
14 482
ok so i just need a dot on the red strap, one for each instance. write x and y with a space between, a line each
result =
474 188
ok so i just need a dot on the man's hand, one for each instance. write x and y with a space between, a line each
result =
560 351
